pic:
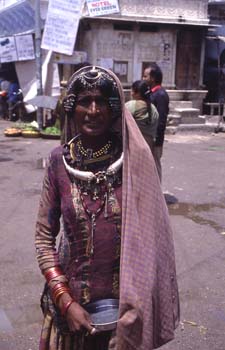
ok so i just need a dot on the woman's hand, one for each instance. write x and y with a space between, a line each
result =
78 318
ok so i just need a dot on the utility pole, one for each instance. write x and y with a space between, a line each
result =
38 59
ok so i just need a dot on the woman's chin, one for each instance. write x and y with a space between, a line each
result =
92 131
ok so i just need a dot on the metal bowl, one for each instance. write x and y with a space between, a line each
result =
104 314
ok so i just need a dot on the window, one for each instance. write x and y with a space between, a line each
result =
120 68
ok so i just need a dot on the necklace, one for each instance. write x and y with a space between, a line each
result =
97 177
101 184
93 215
89 153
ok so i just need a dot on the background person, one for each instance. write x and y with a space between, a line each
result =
143 111
160 98
4 86
98 184
13 96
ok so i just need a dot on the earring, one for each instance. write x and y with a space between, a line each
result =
69 103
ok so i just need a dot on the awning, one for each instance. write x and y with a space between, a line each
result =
151 19
18 18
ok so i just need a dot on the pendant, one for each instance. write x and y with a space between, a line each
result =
93 225
95 194
106 206
90 244
89 153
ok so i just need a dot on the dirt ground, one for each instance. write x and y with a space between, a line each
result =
194 186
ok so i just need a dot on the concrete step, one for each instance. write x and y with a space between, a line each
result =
214 118
173 120
189 115
194 128
180 104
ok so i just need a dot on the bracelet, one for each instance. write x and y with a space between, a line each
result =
66 307
58 293
58 286
58 290
52 273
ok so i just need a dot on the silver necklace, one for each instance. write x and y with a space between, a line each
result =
97 177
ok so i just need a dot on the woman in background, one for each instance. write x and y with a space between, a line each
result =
144 113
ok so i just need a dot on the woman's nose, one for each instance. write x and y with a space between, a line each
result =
93 107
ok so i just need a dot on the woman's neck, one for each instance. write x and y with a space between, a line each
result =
94 142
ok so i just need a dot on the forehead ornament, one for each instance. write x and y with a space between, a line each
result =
91 79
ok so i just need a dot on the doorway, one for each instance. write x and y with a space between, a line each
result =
188 59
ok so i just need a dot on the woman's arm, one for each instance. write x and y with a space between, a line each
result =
48 221
47 228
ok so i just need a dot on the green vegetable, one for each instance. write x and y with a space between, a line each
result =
51 130
25 126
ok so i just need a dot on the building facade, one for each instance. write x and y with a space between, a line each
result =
169 32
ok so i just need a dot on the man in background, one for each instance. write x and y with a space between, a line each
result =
159 97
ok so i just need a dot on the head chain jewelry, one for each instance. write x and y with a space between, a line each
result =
90 78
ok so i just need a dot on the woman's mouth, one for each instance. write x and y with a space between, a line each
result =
92 124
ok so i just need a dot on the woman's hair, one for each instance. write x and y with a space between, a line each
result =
141 87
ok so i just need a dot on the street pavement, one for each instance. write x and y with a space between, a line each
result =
194 187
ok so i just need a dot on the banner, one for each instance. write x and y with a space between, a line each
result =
61 25
99 8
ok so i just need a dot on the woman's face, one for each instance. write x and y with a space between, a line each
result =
93 115
135 95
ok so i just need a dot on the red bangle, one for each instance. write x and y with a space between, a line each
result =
66 307
59 285
53 272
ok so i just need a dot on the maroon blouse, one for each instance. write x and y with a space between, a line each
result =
90 276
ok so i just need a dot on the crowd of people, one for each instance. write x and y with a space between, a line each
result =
102 198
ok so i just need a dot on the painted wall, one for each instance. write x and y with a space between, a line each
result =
127 52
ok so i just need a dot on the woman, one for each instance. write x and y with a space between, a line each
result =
98 184
144 113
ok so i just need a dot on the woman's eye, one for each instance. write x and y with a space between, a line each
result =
100 101
85 101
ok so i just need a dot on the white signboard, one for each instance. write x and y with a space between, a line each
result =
16 48
99 8
8 49
61 25
25 47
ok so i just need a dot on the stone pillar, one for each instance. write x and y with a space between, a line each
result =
202 61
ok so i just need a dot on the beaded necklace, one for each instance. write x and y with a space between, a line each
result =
89 153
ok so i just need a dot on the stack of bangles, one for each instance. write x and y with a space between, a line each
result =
59 288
